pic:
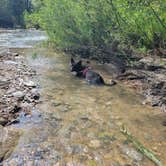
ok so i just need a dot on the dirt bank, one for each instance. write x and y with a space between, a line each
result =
148 76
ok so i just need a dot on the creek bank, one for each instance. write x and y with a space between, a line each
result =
146 74
148 77
18 92
19 96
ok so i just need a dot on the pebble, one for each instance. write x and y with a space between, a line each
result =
94 144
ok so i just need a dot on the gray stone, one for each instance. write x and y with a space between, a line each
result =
18 94
132 153
29 84
9 62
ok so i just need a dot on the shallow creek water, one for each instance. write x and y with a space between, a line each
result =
77 124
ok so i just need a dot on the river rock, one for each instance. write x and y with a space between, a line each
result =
35 94
3 121
132 153
29 84
18 94
9 62
112 82
95 143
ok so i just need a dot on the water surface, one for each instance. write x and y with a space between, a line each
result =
78 124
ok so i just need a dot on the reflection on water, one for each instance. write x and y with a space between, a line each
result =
81 124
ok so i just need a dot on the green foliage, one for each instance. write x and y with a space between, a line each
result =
101 24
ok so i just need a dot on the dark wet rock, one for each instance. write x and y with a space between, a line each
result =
3 121
13 121
164 123
35 94
112 82
84 117
16 109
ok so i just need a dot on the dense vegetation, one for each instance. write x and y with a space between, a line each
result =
94 26
11 12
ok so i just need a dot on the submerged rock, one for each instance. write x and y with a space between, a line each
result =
8 140
94 144
132 153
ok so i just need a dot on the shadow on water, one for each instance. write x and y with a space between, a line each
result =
80 124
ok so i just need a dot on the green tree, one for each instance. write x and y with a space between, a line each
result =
92 26
11 12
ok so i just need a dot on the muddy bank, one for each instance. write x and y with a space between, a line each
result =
148 76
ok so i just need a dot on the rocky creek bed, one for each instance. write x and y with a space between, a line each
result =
74 131
18 97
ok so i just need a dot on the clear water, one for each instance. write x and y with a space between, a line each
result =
78 124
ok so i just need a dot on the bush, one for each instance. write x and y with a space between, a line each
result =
91 26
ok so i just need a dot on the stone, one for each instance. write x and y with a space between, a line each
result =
95 143
9 62
75 149
113 82
18 94
56 103
35 94
132 153
3 121
29 84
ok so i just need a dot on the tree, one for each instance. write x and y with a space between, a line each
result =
11 12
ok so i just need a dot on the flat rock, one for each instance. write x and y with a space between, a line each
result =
9 62
18 94
29 84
